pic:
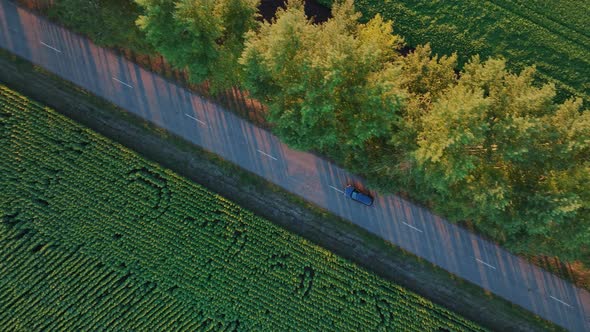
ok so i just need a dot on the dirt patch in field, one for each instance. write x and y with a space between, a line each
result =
277 205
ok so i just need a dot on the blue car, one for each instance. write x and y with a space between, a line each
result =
354 194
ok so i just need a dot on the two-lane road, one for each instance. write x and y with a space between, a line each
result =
208 125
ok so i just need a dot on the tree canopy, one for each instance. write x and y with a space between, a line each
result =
328 87
108 23
499 151
206 37
482 144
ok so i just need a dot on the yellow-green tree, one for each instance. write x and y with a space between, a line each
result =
424 77
497 149
329 87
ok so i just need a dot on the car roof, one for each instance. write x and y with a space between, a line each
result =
359 196
366 199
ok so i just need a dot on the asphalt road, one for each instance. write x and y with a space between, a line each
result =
208 125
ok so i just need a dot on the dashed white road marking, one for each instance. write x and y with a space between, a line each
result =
51 47
122 82
560 301
338 190
412 227
199 121
484 263
266 154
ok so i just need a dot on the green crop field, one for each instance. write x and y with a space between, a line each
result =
94 237
553 35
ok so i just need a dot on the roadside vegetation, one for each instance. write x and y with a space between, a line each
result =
487 145
477 142
108 23
267 200
551 35
96 236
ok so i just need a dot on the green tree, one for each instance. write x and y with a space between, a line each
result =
108 23
205 37
330 87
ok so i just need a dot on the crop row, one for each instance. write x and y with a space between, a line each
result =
191 257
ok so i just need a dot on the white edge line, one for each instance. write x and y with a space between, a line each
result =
199 121
479 260
51 47
336 189
266 154
412 227
122 82
560 301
